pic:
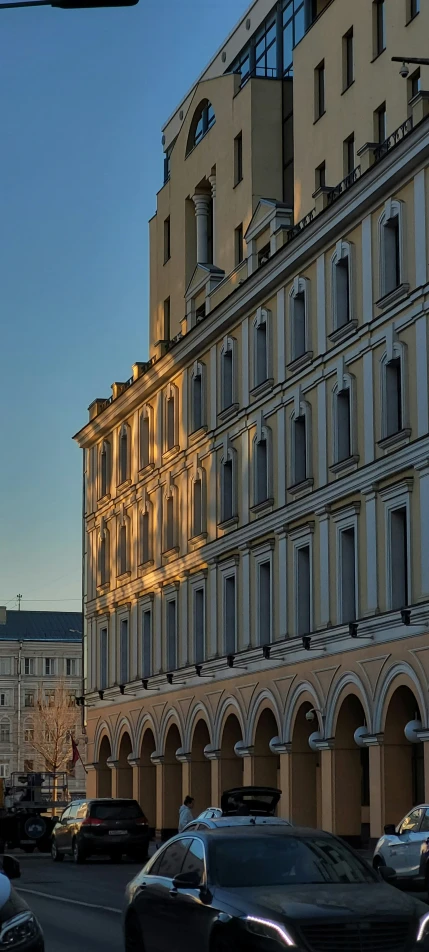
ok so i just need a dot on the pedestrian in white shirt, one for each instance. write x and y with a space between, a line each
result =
185 813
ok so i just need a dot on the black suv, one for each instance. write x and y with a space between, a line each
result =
108 826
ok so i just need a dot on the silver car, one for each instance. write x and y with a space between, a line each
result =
401 847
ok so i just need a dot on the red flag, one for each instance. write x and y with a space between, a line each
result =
76 755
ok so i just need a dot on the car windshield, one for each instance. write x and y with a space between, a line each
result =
285 861
116 811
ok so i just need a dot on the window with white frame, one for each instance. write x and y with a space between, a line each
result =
399 557
228 373
71 667
199 625
49 666
228 486
262 466
394 390
29 699
261 347
299 318
230 614
171 419
391 250
123 543
171 631
105 457
198 416
29 666
343 395
146 425
5 730
342 284
3 699
104 658
347 565
28 732
300 443
146 534
147 667
104 555
124 651
303 586
124 454
5 666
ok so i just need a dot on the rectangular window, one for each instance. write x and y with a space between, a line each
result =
299 343
144 441
261 352
379 20
380 124
303 594
230 632
238 240
104 648
341 276
394 421
414 84
5 666
28 699
199 625
227 379
123 553
50 698
238 158
264 255
28 665
261 474
348 575
300 449
348 60
343 426
398 558
29 735
197 511
166 316
391 253
124 652
413 9
167 236
71 667
171 424
319 90
349 155
4 732
171 635
197 402
227 491
264 603
320 176
169 540
146 550
147 643
49 666
2 700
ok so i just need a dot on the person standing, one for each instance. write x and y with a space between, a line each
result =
185 813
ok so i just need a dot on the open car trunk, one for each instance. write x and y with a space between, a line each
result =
250 801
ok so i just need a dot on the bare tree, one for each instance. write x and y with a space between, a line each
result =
54 724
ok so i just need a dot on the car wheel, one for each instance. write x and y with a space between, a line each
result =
133 935
78 854
55 854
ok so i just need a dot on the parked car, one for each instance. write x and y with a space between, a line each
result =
19 928
244 802
403 847
221 822
108 826
232 890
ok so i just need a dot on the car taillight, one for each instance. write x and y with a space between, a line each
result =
142 821
92 821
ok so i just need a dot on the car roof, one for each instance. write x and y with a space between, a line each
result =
247 821
258 829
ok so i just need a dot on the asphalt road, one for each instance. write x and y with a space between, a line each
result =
79 907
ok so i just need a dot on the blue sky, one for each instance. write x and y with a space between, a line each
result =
84 96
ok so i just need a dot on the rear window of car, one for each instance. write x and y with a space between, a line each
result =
116 811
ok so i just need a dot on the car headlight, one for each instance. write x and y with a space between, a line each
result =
268 930
18 930
423 930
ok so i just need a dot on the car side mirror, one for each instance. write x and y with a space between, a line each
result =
387 873
390 829
11 867
191 880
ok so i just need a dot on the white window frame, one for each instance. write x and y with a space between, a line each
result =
263 433
4 771
263 318
198 370
124 431
52 667
171 393
198 583
261 556
345 381
146 414
229 455
3 721
171 595
31 667
301 409
302 538
300 287
229 345
344 250
73 664
228 570
395 349
146 605
392 209
397 497
343 520
6 666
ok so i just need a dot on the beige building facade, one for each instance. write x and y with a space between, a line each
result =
257 494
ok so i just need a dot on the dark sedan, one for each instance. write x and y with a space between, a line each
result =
236 890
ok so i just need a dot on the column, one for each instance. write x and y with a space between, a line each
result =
136 764
425 739
368 407
202 203
245 362
212 180
370 493
246 634
134 627
327 755
281 332
376 790
282 582
159 761
216 777
248 770
285 780
212 601
420 243
321 434
325 615
186 777
281 456
91 780
421 385
423 471
113 765
321 306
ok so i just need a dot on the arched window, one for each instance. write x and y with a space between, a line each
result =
198 502
228 486
344 427
197 397
146 436
262 477
104 469
394 392
299 311
301 456
261 347
104 556
124 454
343 317
124 546
146 533
391 247
203 119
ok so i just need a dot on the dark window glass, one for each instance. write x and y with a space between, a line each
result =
238 158
380 26
119 810
194 859
238 245
286 861
173 858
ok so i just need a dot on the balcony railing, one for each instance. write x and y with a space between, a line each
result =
300 225
344 185
397 136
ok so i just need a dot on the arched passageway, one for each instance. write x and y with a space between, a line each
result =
104 773
404 779
305 772
172 783
125 770
200 769
148 778
266 764
231 765
351 775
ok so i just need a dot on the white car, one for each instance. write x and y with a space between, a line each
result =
404 847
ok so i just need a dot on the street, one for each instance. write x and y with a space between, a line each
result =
78 906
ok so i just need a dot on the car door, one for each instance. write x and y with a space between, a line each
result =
154 902
69 827
194 913
405 850
60 830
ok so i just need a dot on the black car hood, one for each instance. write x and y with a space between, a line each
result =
320 902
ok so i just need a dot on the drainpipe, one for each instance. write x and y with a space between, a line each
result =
18 746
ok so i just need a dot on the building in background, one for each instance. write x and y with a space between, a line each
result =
257 494
38 651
